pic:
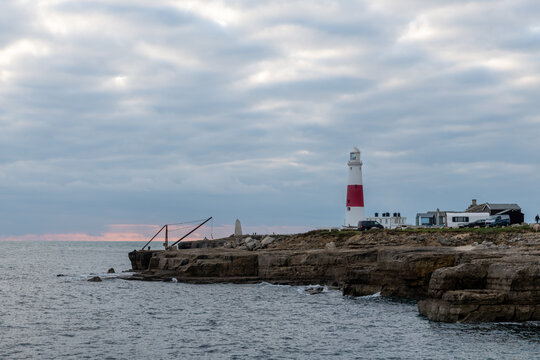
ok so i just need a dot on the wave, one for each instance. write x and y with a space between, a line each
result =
376 295
267 284
307 288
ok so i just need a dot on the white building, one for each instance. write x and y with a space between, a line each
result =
355 192
389 221
455 219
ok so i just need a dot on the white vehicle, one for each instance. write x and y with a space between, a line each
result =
455 220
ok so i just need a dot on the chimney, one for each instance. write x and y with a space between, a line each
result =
473 202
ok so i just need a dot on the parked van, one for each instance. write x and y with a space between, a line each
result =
498 220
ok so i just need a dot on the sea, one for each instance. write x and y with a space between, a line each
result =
45 316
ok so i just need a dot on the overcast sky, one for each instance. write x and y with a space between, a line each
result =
117 115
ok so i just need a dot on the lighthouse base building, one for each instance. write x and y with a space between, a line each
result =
355 191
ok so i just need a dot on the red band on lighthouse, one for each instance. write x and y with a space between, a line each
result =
355 195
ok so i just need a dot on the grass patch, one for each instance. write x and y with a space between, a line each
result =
487 230
347 233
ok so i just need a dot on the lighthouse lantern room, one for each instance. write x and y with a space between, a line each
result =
355 191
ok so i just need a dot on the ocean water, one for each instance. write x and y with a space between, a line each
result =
43 316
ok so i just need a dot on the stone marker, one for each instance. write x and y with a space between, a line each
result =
237 228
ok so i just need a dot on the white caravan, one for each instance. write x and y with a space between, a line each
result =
454 220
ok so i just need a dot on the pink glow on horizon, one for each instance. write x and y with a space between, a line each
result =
143 232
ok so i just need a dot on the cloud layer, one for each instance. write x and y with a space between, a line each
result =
151 112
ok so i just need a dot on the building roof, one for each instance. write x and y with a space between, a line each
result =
476 208
503 206
483 207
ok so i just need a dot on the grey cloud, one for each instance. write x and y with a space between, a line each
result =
158 118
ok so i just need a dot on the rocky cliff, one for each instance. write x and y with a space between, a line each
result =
457 276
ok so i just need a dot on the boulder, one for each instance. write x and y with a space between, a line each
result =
314 290
110 271
330 246
251 244
267 241
95 279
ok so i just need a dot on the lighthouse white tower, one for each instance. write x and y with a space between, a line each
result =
355 191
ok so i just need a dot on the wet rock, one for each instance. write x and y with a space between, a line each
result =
314 290
110 271
507 289
95 279
464 276
452 284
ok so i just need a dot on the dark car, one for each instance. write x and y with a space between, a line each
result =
498 220
369 224
479 223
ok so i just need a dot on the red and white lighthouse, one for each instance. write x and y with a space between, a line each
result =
355 191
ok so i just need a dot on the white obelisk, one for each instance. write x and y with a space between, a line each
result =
237 228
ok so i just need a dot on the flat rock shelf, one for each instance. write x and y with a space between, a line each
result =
457 276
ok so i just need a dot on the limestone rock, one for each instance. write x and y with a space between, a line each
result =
498 290
267 241
487 282
464 276
251 244
314 290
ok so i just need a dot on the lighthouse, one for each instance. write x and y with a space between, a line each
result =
355 192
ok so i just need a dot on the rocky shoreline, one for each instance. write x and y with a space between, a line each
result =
457 276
